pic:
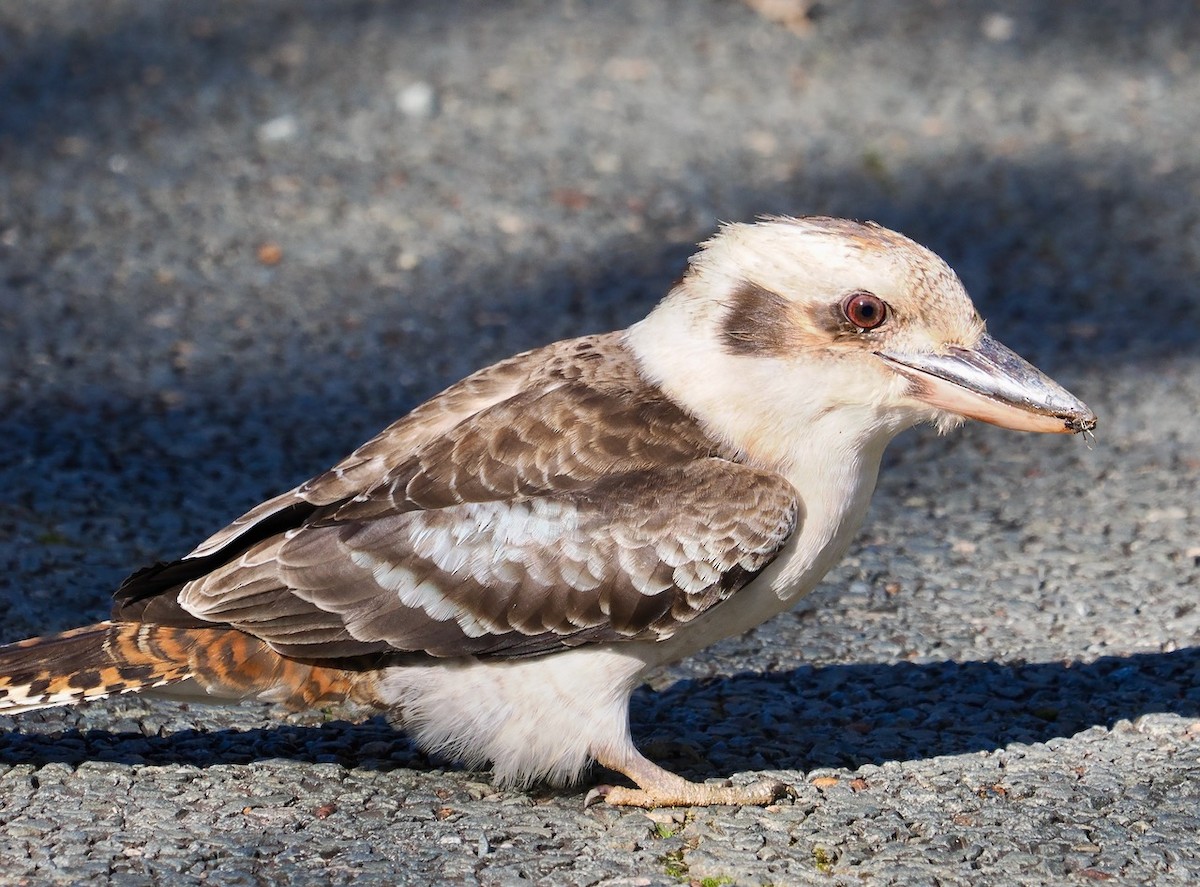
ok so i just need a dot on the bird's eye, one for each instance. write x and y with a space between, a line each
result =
864 310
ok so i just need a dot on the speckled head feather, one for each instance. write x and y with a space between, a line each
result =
754 340
797 270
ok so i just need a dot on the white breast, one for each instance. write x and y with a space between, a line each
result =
836 498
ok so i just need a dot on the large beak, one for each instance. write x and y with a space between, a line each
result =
993 384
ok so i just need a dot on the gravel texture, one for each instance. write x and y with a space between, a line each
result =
236 239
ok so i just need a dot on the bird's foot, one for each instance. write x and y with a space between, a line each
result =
657 787
682 793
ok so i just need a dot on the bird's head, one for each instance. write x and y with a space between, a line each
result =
826 319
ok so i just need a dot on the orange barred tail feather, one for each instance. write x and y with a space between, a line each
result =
108 658
87 663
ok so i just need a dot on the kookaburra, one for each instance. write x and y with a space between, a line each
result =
500 568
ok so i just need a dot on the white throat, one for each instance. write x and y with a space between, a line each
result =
809 417
785 416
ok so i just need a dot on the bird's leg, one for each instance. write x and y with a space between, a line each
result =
661 788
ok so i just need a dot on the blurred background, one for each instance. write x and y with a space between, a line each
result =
236 239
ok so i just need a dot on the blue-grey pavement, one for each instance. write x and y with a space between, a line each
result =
238 238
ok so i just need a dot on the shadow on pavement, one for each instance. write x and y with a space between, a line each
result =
869 713
828 716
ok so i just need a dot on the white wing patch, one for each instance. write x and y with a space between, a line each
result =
497 544
483 535
418 594
517 576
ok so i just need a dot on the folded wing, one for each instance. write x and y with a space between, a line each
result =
580 505
632 556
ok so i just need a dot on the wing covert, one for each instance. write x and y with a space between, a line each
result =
630 556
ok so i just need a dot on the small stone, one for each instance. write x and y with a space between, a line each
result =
795 15
762 142
270 253
510 223
417 100
279 129
998 28
1169 513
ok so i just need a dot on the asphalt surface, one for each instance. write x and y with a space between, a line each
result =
237 239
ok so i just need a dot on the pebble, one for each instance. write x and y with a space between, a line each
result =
279 129
417 100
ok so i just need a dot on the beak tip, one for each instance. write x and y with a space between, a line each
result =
1081 423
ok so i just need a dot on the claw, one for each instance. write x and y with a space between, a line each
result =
596 796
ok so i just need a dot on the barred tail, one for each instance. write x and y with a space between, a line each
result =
88 663
125 657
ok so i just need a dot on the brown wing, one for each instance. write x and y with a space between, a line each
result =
592 363
600 364
396 443
633 556
584 505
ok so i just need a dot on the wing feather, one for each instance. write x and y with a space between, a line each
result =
388 583
396 443
555 499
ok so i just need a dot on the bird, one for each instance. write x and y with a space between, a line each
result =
500 568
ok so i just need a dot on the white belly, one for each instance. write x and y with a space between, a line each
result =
835 507
535 719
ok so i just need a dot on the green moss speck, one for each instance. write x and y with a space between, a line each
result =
662 830
822 859
674 866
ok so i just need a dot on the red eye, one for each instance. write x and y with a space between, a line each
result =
864 310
